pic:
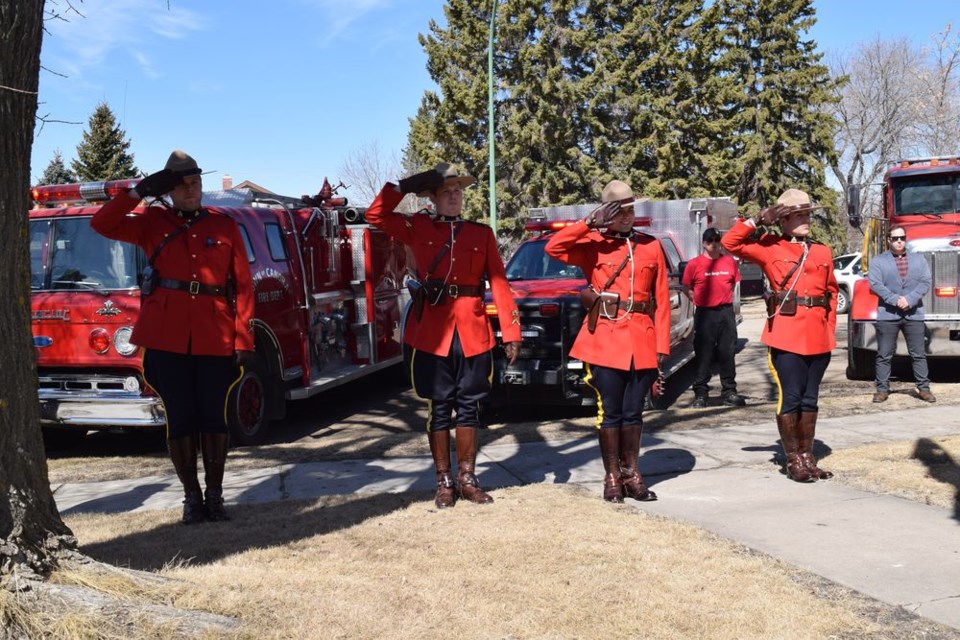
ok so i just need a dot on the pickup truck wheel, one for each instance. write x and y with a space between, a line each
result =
843 300
861 364
247 414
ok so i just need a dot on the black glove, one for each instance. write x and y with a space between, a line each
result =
603 215
159 183
420 182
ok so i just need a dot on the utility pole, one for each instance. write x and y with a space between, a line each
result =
491 127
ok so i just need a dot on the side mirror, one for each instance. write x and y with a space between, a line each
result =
853 205
681 268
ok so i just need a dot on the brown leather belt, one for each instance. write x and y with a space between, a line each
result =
193 287
814 301
809 301
644 306
464 290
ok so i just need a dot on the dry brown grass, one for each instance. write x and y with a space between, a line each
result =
542 562
926 470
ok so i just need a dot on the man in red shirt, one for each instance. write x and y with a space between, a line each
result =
709 280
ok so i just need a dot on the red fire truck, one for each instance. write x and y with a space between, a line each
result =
922 195
547 294
327 287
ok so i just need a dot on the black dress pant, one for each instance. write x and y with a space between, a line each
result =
715 336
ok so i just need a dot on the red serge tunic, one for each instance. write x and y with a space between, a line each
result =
631 337
473 255
812 330
212 248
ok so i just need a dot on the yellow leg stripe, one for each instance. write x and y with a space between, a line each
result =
776 379
413 379
226 398
429 415
587 379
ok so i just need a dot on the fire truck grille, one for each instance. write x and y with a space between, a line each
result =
547 337
944 269
94 384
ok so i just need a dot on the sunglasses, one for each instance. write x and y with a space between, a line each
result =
897 238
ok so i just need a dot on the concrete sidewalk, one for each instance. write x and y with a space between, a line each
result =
895 550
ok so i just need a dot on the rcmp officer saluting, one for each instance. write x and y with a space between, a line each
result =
449 333
801 319
623 350
195 325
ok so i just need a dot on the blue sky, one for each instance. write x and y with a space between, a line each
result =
280 93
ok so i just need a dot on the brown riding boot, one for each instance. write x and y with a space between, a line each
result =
440 448
466 464
214 447
183 453
610 455
808 428
790 438
633 486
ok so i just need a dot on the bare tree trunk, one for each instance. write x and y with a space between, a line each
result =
31 531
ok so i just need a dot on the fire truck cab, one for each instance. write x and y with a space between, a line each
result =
327 290
922 195
547 295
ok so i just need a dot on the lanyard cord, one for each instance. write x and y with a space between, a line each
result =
803 260
633 273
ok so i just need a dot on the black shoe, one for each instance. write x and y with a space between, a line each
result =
734 400
213 506
193 511
700 402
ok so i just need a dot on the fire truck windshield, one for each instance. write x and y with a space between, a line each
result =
930 194
530 262
65 253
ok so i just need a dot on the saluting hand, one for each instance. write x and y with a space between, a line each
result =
771 215
603 215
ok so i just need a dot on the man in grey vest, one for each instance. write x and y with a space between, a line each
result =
900 280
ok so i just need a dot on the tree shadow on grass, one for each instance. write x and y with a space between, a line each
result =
254 526
941 466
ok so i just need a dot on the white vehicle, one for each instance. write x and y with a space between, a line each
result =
848 269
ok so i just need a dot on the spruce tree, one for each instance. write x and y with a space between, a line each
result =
783 133
103 152
56 172
645 99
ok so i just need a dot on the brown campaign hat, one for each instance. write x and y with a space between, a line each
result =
617 191
797 200
450 173
181 163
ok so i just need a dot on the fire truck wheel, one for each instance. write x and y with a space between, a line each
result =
58 439
247 414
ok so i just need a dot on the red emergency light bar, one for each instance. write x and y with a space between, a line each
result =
81 193
945 292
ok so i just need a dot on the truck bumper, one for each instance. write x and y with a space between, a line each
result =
84 411
531 382
943 338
